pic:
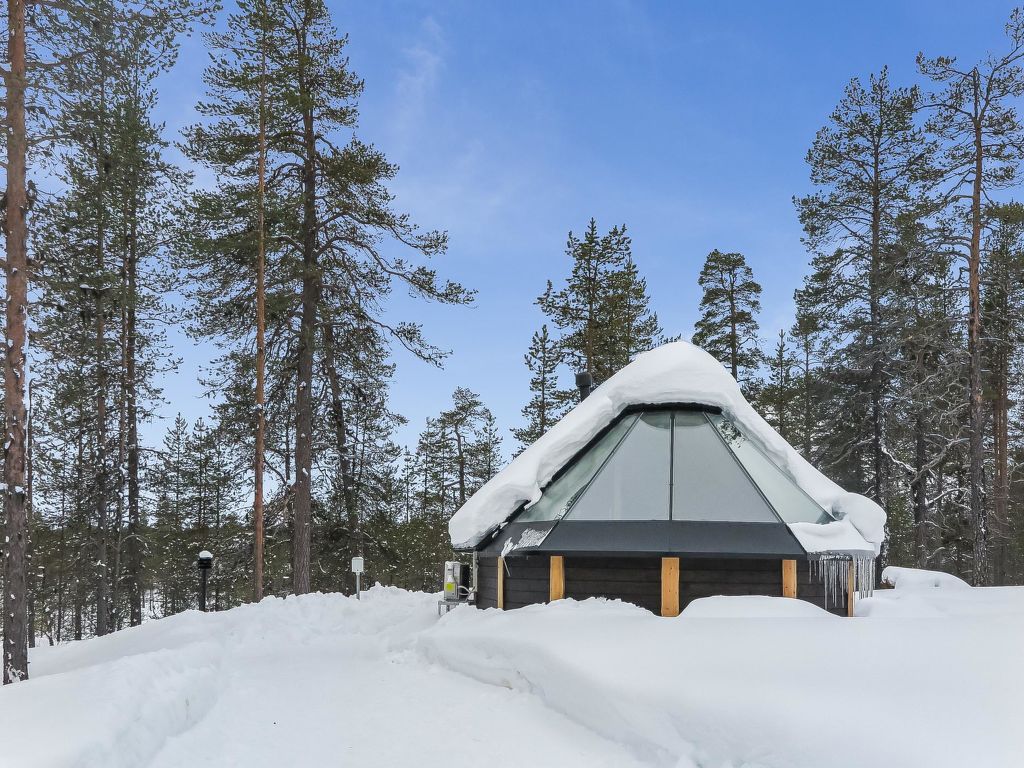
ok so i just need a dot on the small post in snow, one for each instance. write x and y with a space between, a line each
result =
205 563
357 569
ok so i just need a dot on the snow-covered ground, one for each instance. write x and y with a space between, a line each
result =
927 677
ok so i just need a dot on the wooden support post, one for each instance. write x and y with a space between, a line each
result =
851 582
789 578
556 590
501 583
670 586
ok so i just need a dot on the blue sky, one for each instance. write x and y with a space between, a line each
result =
516 122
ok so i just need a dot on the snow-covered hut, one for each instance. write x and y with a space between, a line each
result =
663 486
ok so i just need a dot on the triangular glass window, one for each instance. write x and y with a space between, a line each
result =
633 484
559 495
707 481
675 465
788 498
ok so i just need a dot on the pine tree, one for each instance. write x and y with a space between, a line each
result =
811 347
172 533
16 267
864 162
780 389
547 401
1003 319
328 209
983 144
602 312
632 327
727 327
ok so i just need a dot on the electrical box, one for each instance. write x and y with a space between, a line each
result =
457 587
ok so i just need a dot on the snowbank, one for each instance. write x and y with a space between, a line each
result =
674 373
328 680
772 692
753 607
915 578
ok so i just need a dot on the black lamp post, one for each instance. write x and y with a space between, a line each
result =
205 563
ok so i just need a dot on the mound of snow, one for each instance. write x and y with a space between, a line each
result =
915 578
775 692
753 607
673 373
902 605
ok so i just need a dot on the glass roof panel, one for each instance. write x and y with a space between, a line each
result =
634 483
559 495
708 483
788 499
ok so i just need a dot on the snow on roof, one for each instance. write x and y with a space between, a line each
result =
674 373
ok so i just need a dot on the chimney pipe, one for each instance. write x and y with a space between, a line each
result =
584 383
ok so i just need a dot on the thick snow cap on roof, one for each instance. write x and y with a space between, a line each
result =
674 373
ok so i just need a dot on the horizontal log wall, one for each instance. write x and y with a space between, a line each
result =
527 580
638 580
487 582
706 577
634 580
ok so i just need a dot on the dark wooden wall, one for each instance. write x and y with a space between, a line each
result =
631 579
487 582
705 577
638 580
813 591
527 580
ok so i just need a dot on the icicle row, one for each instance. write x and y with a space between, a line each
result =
833 568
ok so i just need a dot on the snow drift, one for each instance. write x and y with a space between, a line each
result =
328 680
675 373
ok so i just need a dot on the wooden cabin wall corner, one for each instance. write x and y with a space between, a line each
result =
789 578
670 586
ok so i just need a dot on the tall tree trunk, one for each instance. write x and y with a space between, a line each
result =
30 586
132 407
310 299
460 462
1000 478
919 489
734 340
102 522
261 343
348 485
15 609
102 161
808 421
874 291
979 520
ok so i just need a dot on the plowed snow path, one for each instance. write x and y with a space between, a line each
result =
316 681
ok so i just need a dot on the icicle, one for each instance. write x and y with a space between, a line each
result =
833 569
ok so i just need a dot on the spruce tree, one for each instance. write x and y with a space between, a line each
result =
547 401
602 312
780 389
727 327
